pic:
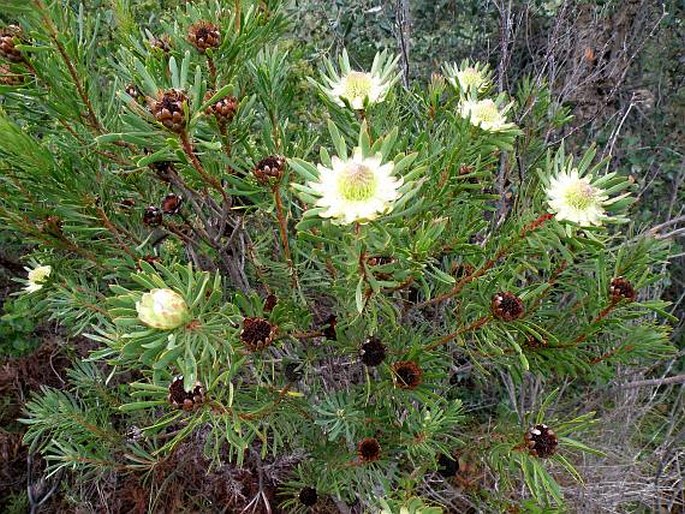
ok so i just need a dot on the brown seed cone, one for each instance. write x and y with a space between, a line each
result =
328 330
53 226
257 333
162 44
152 217
179 398
407 375
223 110
170 110
541 441
171 204
507 306
8 78
270 168
203 35
372 352
308 496
134 92
163 169
270 302
10 36
369 450
621 289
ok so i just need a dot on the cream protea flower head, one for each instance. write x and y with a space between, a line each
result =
358 187
37 277
359 87
486 114
470 79
575 199
574 195
164 309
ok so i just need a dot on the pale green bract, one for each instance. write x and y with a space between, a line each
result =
163 309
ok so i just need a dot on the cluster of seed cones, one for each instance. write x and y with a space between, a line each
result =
170 205
179 398
257 333
507 306
541 441
621 289
10 36
170 109
269 169
204 35
224 109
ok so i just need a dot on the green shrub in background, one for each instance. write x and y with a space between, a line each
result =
298 273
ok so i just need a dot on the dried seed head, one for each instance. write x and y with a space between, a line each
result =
170 110
257 333
270 302
329 329
541 441
10 36
127 203
179 398
507 306
8 78
270 168
162 44
308 496
536 343
369 450
134 92
203 35
164 169
407 374
152 217
293 371
171 204
224 109
448 465
53 225
621 289
372 352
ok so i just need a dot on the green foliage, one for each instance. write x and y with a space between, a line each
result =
256 242
17 336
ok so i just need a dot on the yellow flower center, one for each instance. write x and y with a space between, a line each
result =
357 183
357 85
581 195
470 78
486 112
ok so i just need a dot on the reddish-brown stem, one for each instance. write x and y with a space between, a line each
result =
283 229
115 232
212 71
92 118
190 153
449 337
610 353
537 223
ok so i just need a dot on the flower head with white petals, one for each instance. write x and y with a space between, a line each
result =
360 187
357 189
469 78
486 114
575 198
37 277
358 88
